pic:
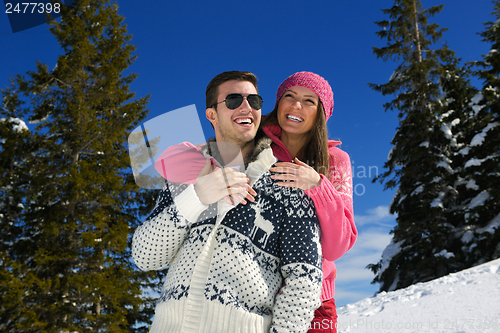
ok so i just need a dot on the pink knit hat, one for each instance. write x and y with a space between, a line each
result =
314 82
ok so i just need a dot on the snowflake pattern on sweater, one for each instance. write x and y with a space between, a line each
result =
239 260
341 178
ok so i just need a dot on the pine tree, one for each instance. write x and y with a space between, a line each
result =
14 149
481 154
421 160
457 104
69 201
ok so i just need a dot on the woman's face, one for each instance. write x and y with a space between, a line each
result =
297 110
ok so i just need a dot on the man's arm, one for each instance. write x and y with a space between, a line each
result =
300 266
159 238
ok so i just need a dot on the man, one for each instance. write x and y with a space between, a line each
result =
253 267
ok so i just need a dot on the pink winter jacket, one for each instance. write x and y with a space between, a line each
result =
333 200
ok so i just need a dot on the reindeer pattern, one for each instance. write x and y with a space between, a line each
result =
261 223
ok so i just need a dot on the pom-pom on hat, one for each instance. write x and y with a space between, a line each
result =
314 82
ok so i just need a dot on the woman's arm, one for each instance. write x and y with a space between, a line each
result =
334 207
181 163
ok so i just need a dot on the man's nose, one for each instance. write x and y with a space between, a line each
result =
245 106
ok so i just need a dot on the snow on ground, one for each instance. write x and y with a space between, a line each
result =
462 302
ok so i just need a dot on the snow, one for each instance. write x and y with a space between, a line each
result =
418 190
455 122
445 254
445 163
464 151
479 199
436 180
476 162
477 108
472 162
389 155
389 252
438 202
19 126
477 98
467 237
472 185
446 128
490 227
478 139
462 302
37 121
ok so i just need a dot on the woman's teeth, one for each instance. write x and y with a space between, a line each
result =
294 118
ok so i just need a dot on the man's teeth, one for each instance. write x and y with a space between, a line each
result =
294 118
244 121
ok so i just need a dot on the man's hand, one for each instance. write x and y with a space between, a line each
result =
213 185
297 174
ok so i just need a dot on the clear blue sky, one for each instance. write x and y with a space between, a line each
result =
181 45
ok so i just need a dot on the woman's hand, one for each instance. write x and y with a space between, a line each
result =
296 174
214 184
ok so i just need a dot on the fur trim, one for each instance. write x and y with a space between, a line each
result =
209 150
263 144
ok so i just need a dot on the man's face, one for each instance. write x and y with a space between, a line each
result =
237 126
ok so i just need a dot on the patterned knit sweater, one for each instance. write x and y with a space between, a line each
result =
244 268
332 199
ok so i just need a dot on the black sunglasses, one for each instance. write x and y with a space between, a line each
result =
233 101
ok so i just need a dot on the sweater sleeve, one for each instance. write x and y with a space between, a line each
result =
158 239
300 266
181 163
334 206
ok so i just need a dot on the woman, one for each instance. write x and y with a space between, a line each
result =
297 127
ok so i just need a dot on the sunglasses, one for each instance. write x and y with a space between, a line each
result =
233 101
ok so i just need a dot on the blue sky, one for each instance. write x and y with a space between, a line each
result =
181 45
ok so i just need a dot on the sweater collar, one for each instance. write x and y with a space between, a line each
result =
257 162
273 131
263 161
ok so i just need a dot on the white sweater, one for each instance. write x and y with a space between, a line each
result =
245 268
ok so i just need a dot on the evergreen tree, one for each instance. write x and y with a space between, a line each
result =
69 201
14 149
457 115
421 160
481 153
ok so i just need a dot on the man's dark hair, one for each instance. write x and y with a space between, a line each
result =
213 87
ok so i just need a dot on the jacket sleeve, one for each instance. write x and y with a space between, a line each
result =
157 240
334 206
181 163
300 266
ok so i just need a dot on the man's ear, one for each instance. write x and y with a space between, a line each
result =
211 115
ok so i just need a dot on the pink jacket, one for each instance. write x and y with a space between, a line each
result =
333 200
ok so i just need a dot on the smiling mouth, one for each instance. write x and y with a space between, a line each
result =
244 121
294 118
